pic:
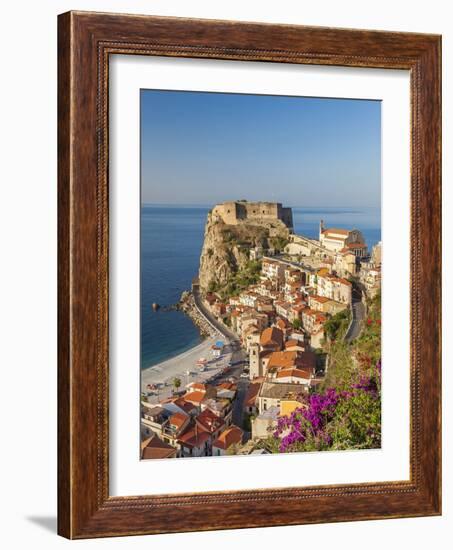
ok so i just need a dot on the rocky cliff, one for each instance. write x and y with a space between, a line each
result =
226 248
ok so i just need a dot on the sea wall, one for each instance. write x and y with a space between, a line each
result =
188 306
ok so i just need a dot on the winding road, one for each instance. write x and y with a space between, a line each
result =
358 313
220 327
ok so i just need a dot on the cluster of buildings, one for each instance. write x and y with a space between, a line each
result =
280 323
280 320
195 422
293 301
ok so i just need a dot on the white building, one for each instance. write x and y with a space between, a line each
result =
336 239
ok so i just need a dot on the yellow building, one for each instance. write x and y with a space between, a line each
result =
289 405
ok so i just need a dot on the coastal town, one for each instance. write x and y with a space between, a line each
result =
276 310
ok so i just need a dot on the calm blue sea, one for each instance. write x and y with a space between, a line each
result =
171 241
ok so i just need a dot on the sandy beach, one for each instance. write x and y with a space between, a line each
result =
179 366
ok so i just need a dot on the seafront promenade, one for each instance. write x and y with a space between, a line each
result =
184 367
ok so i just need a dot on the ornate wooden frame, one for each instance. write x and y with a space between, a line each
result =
85 41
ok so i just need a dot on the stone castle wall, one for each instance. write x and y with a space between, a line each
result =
234 212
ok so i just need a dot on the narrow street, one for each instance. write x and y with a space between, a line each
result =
358 313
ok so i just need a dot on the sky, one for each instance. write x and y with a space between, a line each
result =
201 148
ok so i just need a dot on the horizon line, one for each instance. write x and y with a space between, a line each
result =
210 205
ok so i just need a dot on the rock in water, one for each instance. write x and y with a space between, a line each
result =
155 306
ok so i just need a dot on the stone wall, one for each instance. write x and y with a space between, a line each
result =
234 212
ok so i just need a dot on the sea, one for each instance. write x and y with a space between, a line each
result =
171 242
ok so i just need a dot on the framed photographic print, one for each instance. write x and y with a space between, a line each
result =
249 275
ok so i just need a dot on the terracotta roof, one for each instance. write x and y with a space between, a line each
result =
228 437
309 311
157 448
306 360
336 230
294 285
282 359
320 299
282 323
293 343
345 250
145 442
356 245
295 373
184 405
197 386
209 421
272 336
252 392
292 359
178 419
195 397
193 437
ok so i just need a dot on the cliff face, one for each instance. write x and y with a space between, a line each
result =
226 248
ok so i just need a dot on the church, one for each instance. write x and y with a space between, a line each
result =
342 240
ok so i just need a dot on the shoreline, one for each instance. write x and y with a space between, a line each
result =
185 306
199 341
184 364
178 366
180 356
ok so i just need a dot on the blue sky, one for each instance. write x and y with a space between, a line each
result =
205 148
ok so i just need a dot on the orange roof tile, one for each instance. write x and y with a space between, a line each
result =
320 299
356 245
231 436
272 336
209 421
193 437
252 392
292 359
195 397
156 448
178 419
295 373
336 230
197 386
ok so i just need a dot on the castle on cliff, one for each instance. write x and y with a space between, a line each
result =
236 212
